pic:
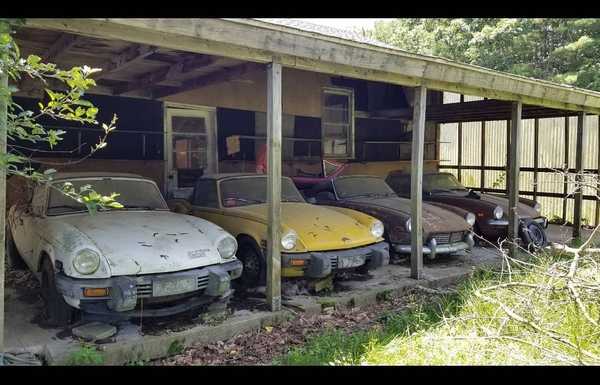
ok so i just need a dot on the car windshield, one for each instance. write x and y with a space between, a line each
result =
354 187
441 182
253 190
134 194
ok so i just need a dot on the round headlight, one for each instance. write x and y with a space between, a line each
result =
86 261
498 212
470 218
288 241
227 247
377 229
408 225
537 207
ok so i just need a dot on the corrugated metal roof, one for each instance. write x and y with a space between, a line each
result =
327 31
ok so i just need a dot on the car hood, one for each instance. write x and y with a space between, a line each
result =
319 228
469 202
148 242
435 219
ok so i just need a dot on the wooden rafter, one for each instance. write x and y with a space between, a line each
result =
130 56
223 75
61 45
167 74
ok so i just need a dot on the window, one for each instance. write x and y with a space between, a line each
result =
338 123
205 193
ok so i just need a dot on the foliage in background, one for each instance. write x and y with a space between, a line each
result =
561 50
66 104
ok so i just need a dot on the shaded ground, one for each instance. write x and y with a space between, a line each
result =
271 343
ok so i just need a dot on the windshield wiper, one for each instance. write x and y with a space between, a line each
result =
77 208
140 207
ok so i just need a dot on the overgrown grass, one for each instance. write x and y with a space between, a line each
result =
522 316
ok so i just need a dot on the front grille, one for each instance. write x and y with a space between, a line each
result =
334 262
446 238
144 290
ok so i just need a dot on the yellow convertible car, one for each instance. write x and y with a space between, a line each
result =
316 240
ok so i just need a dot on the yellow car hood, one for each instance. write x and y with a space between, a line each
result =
319 228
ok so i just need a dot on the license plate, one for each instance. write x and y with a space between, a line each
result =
164 287
353 261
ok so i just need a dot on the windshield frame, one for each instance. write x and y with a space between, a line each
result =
392 193
221 198
96 178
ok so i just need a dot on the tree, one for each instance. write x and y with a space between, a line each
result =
560 50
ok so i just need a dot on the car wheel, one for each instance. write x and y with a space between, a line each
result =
14 259
58 313
253 273
533 235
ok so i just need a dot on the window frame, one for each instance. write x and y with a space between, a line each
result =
344 91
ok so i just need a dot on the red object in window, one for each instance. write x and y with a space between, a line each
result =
261 160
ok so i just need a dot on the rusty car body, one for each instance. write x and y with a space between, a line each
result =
490 209
446 230
316 241
116 261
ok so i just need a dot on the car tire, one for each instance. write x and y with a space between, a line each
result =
58 312
253 261
14 259
533 235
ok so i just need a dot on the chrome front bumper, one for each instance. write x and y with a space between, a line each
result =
543 221
431 249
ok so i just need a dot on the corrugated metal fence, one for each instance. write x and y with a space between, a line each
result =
556 148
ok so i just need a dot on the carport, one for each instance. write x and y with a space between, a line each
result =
159 59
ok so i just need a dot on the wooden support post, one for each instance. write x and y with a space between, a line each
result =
3 128
459 160
482 174
536 145
416 175
578 203
566 179
274 112
597 219
513 176
507 181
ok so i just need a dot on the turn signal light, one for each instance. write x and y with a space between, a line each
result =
298 262
95 292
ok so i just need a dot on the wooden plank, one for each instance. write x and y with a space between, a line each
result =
482 172
565 178
514 155
220 76
274 118
257 41
578 203
131 56
597 216
536 152
416 190
167 74
3 130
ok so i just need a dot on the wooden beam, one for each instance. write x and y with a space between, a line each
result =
536 152
168 73
566 158
274 118
220 76
514 155
416 190
257 41
130 56
459 160
597 216
482 173
3 131
578 203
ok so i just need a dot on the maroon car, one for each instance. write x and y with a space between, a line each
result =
490 209
446 229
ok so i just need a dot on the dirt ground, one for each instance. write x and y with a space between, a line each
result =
262 347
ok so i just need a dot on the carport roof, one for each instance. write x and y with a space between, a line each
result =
301 45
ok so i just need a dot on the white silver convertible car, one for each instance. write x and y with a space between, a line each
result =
139 260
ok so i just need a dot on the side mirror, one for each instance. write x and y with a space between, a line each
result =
311 200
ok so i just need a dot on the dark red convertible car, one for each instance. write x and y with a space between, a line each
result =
490 209
446 229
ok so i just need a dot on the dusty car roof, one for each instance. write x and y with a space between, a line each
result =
402 172
94 174
221 176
